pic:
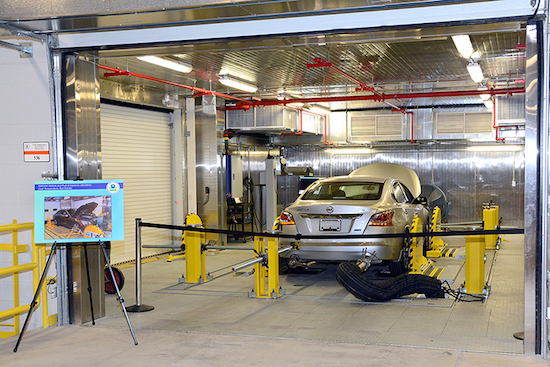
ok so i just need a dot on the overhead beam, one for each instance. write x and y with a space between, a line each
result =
443 12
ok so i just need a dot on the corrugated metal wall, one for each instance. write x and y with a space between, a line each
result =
136 147
467 178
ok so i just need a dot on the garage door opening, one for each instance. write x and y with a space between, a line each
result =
417 105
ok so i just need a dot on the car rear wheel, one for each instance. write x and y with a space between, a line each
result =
402 265
397 268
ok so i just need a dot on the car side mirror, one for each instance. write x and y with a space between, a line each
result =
420 200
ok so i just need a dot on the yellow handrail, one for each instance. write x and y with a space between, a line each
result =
37 256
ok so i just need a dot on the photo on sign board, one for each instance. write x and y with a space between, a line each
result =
77 217
79 211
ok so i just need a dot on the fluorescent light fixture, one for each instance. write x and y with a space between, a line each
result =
476 56
348 150
475 72
174 65
230 81
463 45
494 148
489 104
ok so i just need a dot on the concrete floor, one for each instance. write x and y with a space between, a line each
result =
101 346
317 322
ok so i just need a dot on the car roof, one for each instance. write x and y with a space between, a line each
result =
404 174
354 179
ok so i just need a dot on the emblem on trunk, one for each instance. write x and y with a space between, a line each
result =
330 209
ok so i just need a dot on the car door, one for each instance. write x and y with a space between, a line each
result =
412 207
401 200
404 200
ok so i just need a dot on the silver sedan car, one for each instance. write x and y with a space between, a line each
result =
375 199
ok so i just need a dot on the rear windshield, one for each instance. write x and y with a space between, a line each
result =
344 191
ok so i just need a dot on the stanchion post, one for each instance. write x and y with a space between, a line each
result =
138 307
195 262
475 264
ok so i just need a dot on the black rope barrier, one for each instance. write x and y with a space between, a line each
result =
299 237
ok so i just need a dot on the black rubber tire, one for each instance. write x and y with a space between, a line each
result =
283 265
109 285
349 276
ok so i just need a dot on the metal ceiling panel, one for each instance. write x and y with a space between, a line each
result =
412 61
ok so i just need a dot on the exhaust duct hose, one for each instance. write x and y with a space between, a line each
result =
349 276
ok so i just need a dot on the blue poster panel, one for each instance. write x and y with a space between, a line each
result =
78 211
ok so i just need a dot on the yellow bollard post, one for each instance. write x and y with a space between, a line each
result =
195 259
274 290
437 246
490 222
475 264
419 263
271 270
260 270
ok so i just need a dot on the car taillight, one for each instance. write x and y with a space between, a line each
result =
286 218
382 219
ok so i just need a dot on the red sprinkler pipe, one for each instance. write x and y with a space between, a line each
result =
301 124
319 62
412 125
495 124
405 112
117 72
463 93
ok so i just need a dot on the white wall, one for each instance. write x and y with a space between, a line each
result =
25 116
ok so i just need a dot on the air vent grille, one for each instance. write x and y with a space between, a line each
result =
376 127
451 123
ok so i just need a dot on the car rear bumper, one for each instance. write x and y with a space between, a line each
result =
344 250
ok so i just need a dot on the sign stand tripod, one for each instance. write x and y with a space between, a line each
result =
43 277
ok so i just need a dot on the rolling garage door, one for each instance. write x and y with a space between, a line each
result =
136 147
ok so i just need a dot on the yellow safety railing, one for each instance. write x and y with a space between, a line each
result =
38 253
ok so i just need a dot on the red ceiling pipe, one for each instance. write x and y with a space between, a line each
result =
462 93
301 125
412 124
117 72
497 128
322 63
495 122
405 112
319 62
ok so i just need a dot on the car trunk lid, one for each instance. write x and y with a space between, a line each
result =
331 218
